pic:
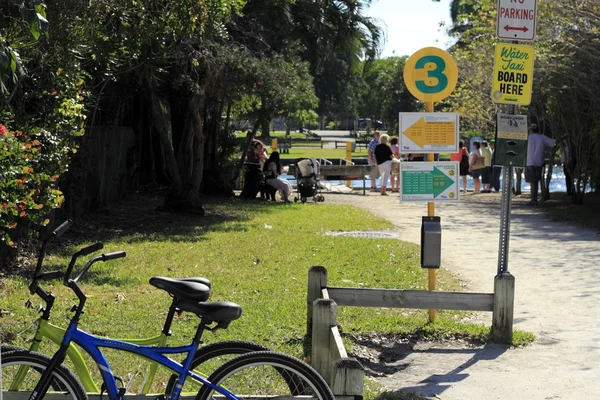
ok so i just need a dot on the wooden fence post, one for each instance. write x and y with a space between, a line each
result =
317 279
348 377
325 316
504 301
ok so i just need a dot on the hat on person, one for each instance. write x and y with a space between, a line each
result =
533 127
492 141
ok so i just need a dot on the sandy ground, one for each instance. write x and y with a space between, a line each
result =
557 298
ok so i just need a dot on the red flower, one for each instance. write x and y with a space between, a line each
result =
4 205
3 130
22 214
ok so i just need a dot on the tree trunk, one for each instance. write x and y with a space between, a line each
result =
265 130
160 126
287 128
185 194
240 166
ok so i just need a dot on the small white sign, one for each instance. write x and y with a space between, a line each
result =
516 19
513 127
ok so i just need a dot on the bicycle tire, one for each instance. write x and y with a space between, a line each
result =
210 352
6 348
63 381
238 377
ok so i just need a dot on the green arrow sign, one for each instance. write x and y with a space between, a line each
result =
440 182
422 181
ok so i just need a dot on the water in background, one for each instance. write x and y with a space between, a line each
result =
557 184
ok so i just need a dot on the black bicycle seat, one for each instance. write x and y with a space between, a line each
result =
222 312
196 289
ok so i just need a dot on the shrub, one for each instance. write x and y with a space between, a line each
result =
28 188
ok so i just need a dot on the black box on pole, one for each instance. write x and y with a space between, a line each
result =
431 242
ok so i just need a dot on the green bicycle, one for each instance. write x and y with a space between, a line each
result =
47 331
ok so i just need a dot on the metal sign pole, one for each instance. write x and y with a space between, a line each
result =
507 182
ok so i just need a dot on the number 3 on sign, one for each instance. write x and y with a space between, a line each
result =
430 74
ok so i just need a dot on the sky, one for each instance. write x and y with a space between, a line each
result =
412 24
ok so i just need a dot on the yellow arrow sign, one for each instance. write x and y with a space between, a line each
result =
431 133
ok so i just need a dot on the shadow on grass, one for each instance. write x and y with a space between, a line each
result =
137 220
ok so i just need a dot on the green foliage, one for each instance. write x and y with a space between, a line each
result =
27 186
383 94
44 109
21 24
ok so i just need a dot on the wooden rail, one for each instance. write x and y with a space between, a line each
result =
328 354
420 299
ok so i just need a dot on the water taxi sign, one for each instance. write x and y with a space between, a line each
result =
429 132
513 74
516 19
429 181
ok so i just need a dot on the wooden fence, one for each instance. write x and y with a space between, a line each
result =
329 356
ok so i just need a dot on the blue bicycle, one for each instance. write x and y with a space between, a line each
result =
262 373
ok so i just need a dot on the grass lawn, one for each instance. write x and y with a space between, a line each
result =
256 254
561 208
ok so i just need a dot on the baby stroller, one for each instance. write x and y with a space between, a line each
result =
307 181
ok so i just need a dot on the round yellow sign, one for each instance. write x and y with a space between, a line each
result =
430 74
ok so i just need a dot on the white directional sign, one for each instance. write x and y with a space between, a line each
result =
429 132
516 19
429 181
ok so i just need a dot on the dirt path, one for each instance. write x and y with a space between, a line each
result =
557 298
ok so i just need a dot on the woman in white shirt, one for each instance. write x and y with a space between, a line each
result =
476 165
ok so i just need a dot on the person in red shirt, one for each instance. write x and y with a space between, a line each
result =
463 158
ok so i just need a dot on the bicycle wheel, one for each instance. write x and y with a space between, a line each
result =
208 358
63 380
5 348
260 374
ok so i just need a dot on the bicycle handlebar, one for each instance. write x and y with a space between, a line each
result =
83 252
101 257
48 276
72 283
113 256
62 228
91 249
55 233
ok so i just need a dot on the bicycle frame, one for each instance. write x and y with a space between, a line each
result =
91 344
55 334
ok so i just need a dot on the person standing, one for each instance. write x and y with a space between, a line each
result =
372 161
383 156
395 164
486 172
496 169
536 143
569 161
463 158
476 164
